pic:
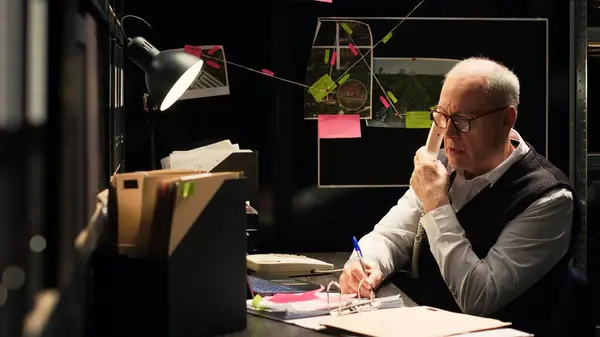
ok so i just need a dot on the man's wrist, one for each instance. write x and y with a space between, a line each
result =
430 206
373 262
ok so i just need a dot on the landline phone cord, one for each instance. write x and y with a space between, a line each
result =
419 236
417 249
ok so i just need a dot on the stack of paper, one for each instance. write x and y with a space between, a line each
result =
415 322
315 300
291 307
203 158
507 332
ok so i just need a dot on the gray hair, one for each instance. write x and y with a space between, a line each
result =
502 83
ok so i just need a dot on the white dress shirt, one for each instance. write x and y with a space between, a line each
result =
527 248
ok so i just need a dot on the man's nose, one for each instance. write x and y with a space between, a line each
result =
452 131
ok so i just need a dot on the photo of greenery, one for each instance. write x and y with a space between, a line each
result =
412 85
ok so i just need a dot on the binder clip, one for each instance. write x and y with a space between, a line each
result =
352 307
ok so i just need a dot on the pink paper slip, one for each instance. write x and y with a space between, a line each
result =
353 49
194 50
213 50
339 126
301 297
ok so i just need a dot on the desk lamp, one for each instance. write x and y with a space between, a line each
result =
168 73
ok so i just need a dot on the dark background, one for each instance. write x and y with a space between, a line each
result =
266 115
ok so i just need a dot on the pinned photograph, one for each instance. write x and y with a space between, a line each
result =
213 79
412 86
338 76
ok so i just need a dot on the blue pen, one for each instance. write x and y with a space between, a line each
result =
360 256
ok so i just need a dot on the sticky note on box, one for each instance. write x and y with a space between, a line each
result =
188 189
322 87
418 120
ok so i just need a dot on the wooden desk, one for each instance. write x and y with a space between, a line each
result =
259 326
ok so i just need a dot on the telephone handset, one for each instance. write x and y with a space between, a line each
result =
433 144
434 140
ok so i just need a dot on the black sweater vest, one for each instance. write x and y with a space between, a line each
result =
483 218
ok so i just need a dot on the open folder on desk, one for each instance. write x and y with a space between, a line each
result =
414 321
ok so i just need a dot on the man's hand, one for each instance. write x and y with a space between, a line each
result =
429 181
353 274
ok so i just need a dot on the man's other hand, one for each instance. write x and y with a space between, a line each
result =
353 274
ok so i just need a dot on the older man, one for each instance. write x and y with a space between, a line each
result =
490 225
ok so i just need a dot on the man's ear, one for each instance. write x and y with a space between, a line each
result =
510 117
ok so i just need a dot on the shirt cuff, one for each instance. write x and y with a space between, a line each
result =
439 221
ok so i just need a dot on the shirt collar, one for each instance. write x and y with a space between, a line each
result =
495 174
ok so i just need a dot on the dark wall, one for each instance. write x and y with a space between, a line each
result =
267 115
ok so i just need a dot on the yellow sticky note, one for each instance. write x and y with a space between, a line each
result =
344 79
392 97
418 120
326 55
322 87
387 37
188 189
256 301
347 28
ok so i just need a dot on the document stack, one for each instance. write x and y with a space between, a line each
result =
224 156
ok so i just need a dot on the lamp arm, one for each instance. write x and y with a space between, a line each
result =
121 23
150 110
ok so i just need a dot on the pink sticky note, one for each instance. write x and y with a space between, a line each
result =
300 297
333 58
213 64
384 101
194 50
267 72
213 50
353 49
339 126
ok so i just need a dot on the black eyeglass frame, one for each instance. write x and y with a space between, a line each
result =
456 117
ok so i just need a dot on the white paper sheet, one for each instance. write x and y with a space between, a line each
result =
415 321
213 80
201 158
498 333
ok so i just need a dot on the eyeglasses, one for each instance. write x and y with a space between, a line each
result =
461 123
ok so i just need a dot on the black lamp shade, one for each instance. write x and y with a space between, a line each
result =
168 74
